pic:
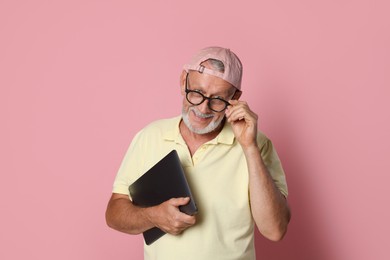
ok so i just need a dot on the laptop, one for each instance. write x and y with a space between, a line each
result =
165 180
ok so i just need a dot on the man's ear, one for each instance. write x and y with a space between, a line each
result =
237 95
183 77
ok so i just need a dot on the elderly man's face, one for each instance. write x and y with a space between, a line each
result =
201 119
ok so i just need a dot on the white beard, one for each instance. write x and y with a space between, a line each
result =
208 129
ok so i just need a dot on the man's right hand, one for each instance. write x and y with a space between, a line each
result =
169 218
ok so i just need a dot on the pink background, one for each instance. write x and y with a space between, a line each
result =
79 78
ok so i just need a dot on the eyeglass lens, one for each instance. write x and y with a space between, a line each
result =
197 98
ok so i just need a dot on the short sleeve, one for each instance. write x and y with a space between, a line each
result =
273 164
131 166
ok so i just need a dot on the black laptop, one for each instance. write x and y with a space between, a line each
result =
165 180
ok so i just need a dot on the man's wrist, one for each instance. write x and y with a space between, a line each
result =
251 148
147 214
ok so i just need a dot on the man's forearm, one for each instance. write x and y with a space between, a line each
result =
269 207
123 216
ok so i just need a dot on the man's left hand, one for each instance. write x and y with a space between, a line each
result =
243 121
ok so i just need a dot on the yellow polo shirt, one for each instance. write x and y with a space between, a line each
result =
218 176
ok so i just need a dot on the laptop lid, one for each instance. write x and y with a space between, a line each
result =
165 180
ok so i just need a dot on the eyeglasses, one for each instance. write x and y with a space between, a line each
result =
195 97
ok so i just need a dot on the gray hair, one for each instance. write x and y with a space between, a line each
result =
216 64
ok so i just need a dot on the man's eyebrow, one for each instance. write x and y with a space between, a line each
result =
218 94
200 89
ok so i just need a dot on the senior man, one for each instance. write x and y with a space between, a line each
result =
233 169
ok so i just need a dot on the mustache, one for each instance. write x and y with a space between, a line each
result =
200 114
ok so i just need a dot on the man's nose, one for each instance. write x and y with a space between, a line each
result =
204 107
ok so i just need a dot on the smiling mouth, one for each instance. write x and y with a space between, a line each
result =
201 115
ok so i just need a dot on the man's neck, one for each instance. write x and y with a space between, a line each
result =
194 140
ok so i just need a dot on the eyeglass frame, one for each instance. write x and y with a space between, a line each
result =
204 97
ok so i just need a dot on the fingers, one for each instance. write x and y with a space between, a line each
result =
187 219
180 223
243 121
179 201
170 219
239 110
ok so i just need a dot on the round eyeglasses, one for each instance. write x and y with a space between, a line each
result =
195 97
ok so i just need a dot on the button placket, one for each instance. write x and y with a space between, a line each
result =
199 153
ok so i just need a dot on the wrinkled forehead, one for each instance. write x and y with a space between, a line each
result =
209 83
